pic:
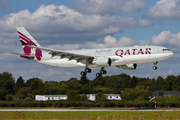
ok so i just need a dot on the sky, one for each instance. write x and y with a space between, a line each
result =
79 24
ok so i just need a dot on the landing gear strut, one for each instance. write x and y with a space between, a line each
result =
155 67
87 69
102 71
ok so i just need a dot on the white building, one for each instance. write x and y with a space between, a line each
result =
50 97
91 97
109 96
113 96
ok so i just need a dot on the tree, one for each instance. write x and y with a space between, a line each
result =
135 94
9 87
34 85
23 92
101 97
71 95
9 97
85 89
73 84
176 83
19 84
159 84
84 80
168 82
98 81
37 86
29 81
28 99
3 94
132 82
6 76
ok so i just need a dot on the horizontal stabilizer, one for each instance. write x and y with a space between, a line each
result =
23 55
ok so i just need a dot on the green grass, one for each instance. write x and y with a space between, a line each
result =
112 115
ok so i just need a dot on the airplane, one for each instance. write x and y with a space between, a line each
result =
122 57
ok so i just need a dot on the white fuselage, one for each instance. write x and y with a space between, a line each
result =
120 56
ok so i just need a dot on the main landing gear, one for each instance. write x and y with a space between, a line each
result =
87 70
155 67
102 71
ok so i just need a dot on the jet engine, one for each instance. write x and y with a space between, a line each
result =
102 62
128 66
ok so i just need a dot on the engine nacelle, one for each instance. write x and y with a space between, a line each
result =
102 62
128 66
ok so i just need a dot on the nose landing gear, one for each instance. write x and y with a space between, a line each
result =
155 67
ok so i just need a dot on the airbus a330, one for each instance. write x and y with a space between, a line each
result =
123 57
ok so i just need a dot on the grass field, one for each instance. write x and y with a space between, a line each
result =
112 115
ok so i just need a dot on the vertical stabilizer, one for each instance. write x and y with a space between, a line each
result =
27 39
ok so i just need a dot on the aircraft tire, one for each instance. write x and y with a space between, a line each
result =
155 67
87 70
98 75
83 73
103 71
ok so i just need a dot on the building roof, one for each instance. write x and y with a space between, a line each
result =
164 93
53 95
112 94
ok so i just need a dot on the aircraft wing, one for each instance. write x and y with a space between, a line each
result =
64 54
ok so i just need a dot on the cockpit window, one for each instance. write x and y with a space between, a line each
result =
165 50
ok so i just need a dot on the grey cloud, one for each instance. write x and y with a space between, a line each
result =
165 9
108 7
60 24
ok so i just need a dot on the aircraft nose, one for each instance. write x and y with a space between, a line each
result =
171 54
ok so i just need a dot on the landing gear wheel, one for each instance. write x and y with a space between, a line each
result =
88 70
98 75
154 67
103 72
83 73
155 63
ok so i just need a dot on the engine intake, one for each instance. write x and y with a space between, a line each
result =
102 62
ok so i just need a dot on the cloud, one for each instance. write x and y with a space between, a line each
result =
108 41
108 7
165 9
167 38
5 5
60 24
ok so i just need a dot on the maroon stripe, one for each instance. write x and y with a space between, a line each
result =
29 41
23 35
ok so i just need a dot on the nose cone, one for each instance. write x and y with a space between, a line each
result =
171 54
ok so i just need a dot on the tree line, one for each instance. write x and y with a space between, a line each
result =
130 88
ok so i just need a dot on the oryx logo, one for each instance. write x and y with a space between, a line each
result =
27 50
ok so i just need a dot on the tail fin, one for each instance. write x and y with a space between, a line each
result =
27 39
